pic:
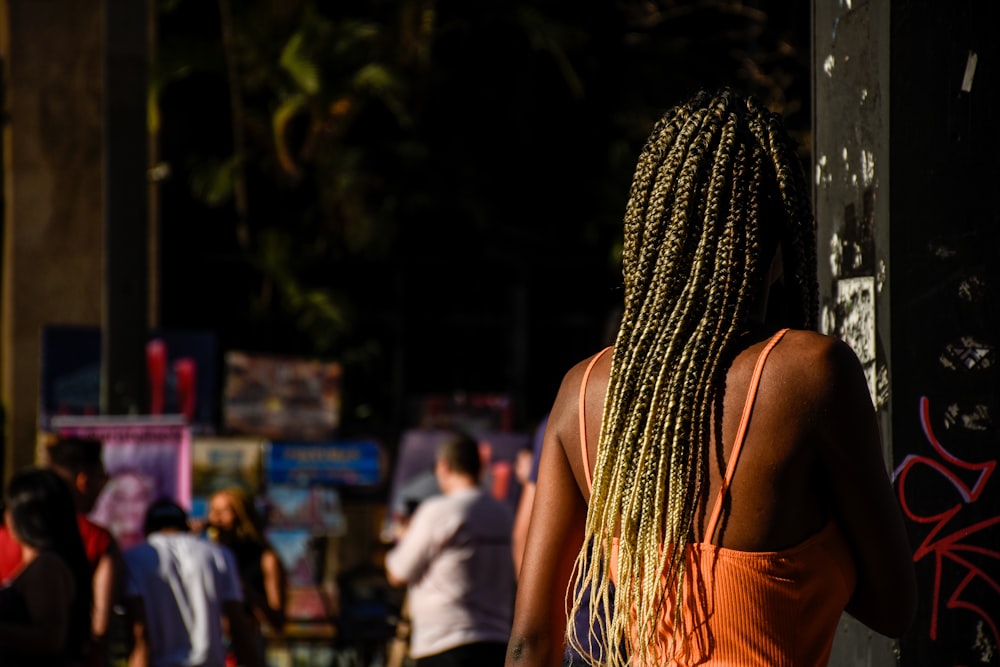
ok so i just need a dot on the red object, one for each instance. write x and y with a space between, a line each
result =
156 368
501 479
96 540
186 372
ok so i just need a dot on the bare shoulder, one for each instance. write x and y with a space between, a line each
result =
818 364
823 386
564 417
574 376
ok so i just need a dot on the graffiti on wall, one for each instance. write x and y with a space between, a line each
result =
964 553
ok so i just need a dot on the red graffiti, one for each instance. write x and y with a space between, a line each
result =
953 548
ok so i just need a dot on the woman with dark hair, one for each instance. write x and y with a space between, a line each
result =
719 467
45 608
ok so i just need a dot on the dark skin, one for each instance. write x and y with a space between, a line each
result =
812 452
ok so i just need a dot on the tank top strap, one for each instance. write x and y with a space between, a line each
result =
582 411
741 433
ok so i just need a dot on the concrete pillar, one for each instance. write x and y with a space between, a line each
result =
52 189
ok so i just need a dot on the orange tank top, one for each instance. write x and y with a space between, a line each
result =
773 608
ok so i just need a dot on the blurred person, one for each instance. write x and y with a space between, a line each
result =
78 462
572 656
234 522
721 464
455 557
183 597
45 608
522 515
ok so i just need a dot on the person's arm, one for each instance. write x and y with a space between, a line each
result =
270 606
847 428
136 614
416 548
241 634
522 520
107 582
557 525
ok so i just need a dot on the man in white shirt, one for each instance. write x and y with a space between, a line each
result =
178 590
456 558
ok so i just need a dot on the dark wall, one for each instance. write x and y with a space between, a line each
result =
946 247
906 103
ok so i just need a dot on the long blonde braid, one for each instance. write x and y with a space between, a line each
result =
716 187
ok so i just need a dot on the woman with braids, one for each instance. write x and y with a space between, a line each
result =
720 464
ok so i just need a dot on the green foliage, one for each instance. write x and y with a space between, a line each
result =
212 180
360 139
296 61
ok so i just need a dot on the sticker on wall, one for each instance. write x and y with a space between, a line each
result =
856 315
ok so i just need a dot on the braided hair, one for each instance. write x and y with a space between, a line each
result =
716 189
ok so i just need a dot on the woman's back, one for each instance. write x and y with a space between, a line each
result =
774 593
779 531
777 498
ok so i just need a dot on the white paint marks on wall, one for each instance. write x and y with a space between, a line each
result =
845 166
867 167
972 289
880 275
823 177
984 644
882 382
976 419
857 254
864 96
942 251
970 72
836 255
968 354
827 321
828 64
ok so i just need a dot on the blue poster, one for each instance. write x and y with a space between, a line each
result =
353 463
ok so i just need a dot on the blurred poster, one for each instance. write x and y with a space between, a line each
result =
146 458
71 372
219 463
181 367
299 552
338 463
281 398
466 412
317 508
